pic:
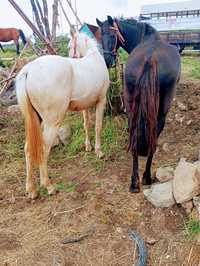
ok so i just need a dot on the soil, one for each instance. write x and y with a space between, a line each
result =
101 209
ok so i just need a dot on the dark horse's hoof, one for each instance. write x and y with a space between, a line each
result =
134 189
146 181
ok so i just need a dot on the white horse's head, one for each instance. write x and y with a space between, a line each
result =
80 45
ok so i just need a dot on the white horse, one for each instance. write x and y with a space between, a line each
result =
50 86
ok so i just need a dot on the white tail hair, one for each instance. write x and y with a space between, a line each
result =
33 130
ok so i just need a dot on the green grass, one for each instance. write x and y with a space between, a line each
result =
113 138
70 187
191 67
192 228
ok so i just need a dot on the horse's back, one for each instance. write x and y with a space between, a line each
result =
151 73
48 84
8 34
165 56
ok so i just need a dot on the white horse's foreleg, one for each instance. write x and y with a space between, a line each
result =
99 118
30 184
86 117
49 134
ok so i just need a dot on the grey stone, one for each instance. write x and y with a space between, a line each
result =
164 174
14 109
160 194
188 206
186 181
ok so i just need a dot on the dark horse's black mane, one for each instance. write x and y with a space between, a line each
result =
144 28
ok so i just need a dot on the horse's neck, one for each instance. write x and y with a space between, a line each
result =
135 34
91 50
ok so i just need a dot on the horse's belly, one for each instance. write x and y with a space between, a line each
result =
81 105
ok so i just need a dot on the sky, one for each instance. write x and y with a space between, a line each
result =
88 10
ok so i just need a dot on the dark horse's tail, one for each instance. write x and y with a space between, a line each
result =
22 36
145 105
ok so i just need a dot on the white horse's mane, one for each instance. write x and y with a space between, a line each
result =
91 42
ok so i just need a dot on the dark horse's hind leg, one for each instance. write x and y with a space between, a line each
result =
134 187
147 180
164 107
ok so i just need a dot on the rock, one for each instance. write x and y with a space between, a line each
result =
164 174
181 106
14 109
197 164
189 122
165 147
64 134
188 206
179 118
160 195
151 241
186 181
196 201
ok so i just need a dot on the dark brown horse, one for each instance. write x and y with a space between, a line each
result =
12 34
151 74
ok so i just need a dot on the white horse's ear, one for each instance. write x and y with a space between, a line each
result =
72 32
99 23
110 20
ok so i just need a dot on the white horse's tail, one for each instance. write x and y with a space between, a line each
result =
34 140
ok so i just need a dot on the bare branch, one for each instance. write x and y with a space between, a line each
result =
46 19
40 10
54 19
37 17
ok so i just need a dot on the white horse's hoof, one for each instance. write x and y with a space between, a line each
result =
99 154
32 194
88 147
51 190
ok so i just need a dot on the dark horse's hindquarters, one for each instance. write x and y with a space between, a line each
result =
152 71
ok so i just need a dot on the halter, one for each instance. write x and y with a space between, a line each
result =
118 37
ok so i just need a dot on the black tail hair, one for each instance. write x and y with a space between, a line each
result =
22 36
145 103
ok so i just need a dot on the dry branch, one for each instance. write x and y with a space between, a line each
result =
75 239
46 19
54 19
37 17
13 68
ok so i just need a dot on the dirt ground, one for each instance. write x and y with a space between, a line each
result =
34 232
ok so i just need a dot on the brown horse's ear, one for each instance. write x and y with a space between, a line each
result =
99 23
110 20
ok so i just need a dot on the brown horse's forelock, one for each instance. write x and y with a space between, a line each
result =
145 101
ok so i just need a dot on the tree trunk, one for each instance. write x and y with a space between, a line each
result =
54 19
46 19
40 11
37 17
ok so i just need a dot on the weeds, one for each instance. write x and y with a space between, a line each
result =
191 67
192 228
70 187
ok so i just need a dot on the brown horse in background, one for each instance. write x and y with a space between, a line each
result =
12 34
